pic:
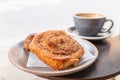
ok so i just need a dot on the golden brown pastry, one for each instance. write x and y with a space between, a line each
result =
28 41
57 49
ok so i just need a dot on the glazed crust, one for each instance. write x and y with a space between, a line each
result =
56 49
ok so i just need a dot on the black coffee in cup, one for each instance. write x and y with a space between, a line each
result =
89 24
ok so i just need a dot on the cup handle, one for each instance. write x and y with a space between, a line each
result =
108 30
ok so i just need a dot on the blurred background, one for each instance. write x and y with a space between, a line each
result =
18 18
34 15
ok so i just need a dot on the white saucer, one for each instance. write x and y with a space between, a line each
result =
100 36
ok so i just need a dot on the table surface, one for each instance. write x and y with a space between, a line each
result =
107 65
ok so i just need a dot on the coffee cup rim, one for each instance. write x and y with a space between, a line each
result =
102 16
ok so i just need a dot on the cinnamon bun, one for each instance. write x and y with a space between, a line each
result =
56 49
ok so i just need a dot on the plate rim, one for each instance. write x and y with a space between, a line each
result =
87 37
55 73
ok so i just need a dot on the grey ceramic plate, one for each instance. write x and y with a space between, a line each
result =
100 36
18 57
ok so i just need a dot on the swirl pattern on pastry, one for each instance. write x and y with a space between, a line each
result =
56 49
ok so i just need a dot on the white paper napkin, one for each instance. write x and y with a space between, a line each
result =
33 60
